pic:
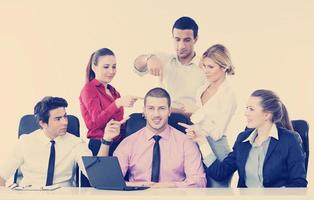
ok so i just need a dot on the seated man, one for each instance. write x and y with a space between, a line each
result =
48 155
159 155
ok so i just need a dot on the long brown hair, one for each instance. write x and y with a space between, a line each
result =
93 60
271 103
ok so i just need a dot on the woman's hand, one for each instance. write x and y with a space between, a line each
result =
126 101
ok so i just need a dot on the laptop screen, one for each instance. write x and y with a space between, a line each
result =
104 172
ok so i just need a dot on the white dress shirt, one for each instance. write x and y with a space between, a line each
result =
213 117
32 153
181 81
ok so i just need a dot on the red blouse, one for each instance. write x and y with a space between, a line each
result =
98 108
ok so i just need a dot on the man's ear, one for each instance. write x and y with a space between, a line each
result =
195 39
43 125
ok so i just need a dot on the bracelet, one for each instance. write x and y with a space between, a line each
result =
105 142
149 57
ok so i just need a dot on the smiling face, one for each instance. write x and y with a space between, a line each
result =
212 70
105 70
156 111
184 43
256 116
57 123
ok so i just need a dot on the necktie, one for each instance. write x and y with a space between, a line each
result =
51 164
156 160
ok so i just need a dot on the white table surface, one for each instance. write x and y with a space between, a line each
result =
160 194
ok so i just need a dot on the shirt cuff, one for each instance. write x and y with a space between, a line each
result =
140 73
198 116
207 153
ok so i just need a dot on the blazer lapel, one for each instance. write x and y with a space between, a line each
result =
243 153
272 145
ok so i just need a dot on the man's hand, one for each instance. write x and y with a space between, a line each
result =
155 66
112 129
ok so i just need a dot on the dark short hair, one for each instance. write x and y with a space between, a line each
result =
184 23
159 93
93 60
42 108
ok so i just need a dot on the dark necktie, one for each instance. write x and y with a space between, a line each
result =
156 160
51 164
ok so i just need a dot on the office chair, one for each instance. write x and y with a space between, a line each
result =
28 124
302 127
137 121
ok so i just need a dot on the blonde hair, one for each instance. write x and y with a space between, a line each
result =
220 55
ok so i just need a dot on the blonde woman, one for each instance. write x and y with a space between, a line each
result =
216 104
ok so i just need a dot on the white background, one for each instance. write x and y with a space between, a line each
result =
45 47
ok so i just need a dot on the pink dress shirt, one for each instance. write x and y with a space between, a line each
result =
180 160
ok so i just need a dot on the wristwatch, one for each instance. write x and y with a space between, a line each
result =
105 142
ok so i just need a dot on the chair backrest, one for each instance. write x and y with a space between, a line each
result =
28 124
302 127
137 121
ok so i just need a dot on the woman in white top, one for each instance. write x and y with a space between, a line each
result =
216 103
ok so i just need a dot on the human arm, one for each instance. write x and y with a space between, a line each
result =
149 63
100 112
296 163
112 130
219 170
193 167
213 119
13 161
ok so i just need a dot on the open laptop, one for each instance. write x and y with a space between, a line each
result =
105 173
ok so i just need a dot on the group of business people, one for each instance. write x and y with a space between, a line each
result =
267 154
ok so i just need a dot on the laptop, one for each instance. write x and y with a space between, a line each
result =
105 173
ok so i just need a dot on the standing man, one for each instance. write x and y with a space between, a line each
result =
179 73
158 155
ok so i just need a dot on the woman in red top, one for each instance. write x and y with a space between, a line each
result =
99 101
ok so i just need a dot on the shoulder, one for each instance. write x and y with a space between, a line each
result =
35 135
179 135
244 135
288 135
71 140
133 137
88 88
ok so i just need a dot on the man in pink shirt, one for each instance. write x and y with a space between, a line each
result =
159 155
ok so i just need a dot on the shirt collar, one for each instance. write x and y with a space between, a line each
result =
46 140
97 83
194 60
273 133
165 134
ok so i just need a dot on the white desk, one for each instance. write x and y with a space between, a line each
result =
161 194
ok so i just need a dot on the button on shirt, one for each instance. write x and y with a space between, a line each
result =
180 159
181 81
255 162
32 154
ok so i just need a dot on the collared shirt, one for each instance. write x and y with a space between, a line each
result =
255 162
32 153
98 108
180 159
213 117
181 81
209 157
